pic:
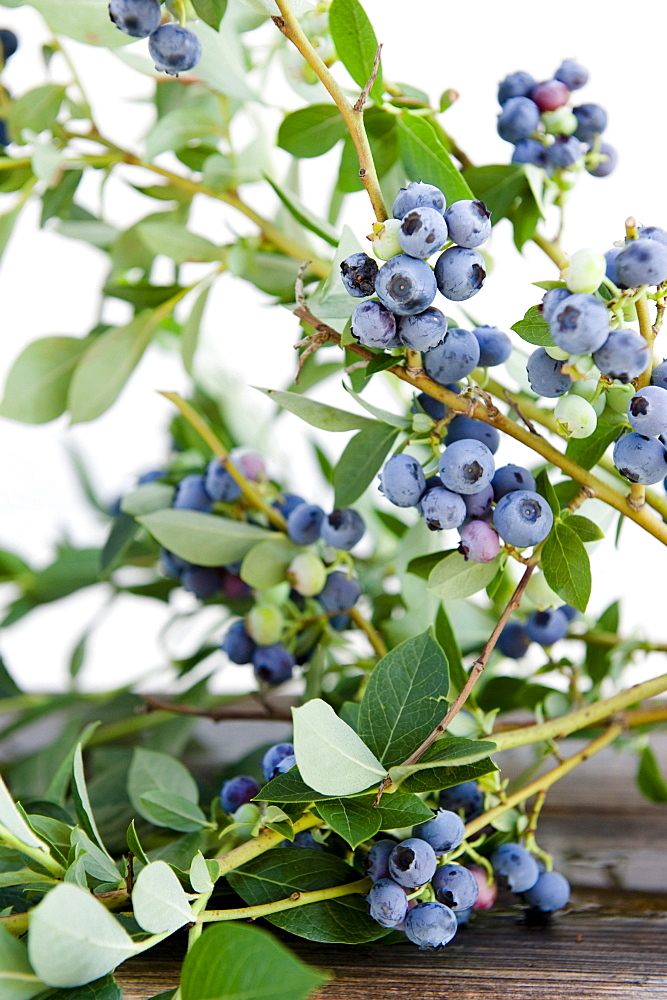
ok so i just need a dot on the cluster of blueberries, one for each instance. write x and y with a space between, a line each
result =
257 638
173 48
545 626
8 46
243 788
402 314
535 118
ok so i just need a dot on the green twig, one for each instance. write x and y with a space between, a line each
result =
296 899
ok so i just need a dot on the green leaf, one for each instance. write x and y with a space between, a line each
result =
425 158
203 539
327 418
650 781
330 756
60 782
123 530
448 751
498 186
158 901
85 20
304 216
265 565
200 876
171 811
599 659
588 451
362 458
234 961
533 329
210 11
221 65
400 809
587 530
355 43
277 874
198 120
147 498
37 109
311 131
405 698
290 787
105 988
351 819
454 577
566 566
445 637
151 771
82 805
171 238
73 939
17 980
12 820
134 844
435 778
546 490
190 329
38 382
423 565
385 416
107 364
97 863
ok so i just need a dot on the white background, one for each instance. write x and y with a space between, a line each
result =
51 285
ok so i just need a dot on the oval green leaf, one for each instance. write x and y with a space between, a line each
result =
330 756
454 577
158 901
203 539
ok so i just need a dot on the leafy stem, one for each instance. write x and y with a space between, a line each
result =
296 899
264 842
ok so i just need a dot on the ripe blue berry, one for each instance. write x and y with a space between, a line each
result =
495 346
445 832
569 612
405 285
373 325
455 886
546 376
511 477
580 323
518 119
237 791
610 270
342 529
402 480
550 95
551 300
273 759
572 74
424 331
479 504
623 356
642 262
430 925
466 797
454 358
273 664
460 273
479 542
531 151
174 49
387 903
435 409
412 863
592 121
652 233
467 427
547 627
517 84
219 483
640 459
513 641
358 274
202 581
550 892
565 150
442 509
422 232
377 859
418 195
659 375
523 518
9 43
191 494
303 839
172 565
606 164
468 223
138 18
466 466
340 592
303 524
514 864
647 410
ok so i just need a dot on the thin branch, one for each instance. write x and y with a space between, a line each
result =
280 905
363 96
219 714
372 634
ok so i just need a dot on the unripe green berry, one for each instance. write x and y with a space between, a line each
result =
540 593
307 574
618 397
581 366
264 623
557 353
575 417
385 238
560 122
585 271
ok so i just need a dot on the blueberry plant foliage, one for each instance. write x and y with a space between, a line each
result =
387 810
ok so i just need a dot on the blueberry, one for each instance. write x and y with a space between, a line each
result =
659 375
303 524
387 903
514 864
442 509
466 797
174 49
479 504
592 121
642 262
237 644
550 95
412 863
237 791
373 325
518 119
523 518
342 529
468 223
273 758
565 150
479 542
303 839
250 463
273 664
434 407
172 565
202 581
511 477
572 74
610 270
150 477
551 300
8 43
495 346
422 232
607 162
4 141
466 466
517 84
640 459
402 480
454 358
467 427
580 323
340 592
460 273
423 331
191 494
546 376
219 483
418 195
569 612
377 859
430 925
652 233
405 285
647 410
623 356
358 274
550 892
455 886
445 832
138 18
513 641
531 151
287 503
547 627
